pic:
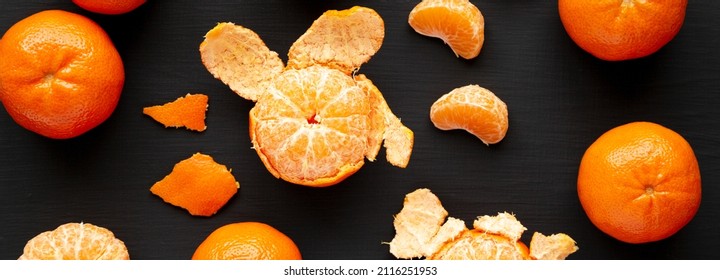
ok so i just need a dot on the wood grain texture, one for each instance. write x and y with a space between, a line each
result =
560 99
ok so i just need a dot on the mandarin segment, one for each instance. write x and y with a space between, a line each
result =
639 182
422 231
474 109
75 241
188 111
341 40
239 58
198 184
459 23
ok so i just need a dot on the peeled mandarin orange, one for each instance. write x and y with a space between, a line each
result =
109 7
247 241
312 139
424 230
617 30
473 109
314 123
60 74
198 184
188 111
75 241
639 182
459 23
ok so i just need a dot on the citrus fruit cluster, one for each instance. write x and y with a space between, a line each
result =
316 120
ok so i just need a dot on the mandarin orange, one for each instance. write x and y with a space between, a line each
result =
639 182
75 241
617 30
60 74
459 23
247 241
109 7
474 109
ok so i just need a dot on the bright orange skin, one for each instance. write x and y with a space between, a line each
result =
60 74
616 30
109 7
198 184
187 111
639 182
247 241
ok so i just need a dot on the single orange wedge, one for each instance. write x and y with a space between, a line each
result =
458 23
473 109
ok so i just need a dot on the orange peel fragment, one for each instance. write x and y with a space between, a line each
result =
424 230
342 40
239 58
198 184
188 111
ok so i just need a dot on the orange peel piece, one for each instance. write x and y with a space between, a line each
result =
198 184
75 241
342 40
188 111
239 58
422 231
397 138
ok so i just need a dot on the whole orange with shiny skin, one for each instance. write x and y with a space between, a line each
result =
109 7
60 74
247 241
617 30
640 182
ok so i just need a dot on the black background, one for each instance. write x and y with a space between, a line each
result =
560 99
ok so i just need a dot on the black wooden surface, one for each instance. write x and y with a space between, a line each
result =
560 99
